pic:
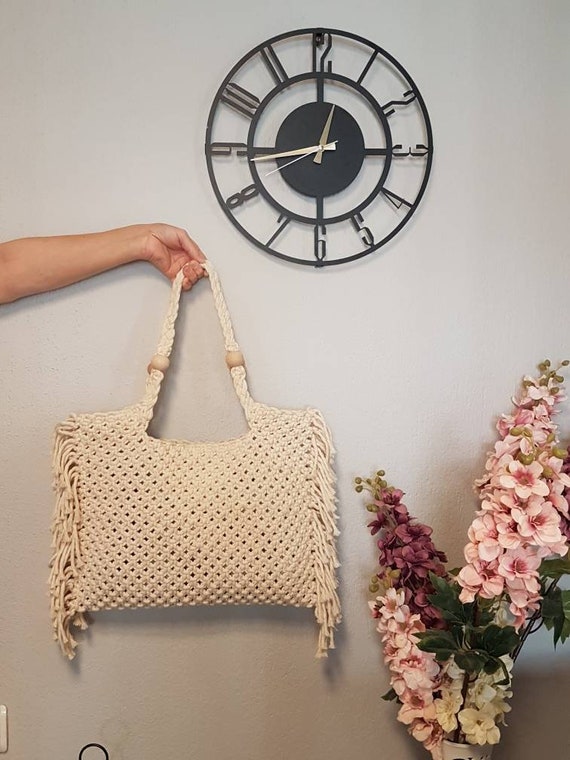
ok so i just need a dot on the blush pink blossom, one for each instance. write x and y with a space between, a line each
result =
484 535
540 525
480 579
519 564
524 479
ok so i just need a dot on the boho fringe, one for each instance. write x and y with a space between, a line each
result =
65 539
327 606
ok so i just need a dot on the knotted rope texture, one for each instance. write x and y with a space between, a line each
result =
145 522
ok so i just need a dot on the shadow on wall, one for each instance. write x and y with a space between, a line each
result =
538 725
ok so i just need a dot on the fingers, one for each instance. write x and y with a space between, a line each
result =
172 249
193 271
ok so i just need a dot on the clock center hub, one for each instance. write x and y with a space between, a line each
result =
338 168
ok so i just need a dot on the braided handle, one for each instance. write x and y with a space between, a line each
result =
160 361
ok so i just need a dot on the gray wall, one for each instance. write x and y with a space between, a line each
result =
413 354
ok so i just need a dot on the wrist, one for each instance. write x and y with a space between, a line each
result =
128 244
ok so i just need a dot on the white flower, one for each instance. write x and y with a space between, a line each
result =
481 694
446 709
479 726
454 672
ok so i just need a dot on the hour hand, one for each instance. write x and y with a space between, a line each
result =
324 136
296 152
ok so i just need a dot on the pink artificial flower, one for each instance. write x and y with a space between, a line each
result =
391 602
524 479
480 579
521 418
523 601
484 535
539 524
520 564
542 393
508 533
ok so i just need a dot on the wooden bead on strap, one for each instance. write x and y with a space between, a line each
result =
159 362
234 359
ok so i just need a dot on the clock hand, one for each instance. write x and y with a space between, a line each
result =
299 151
324 136
317 148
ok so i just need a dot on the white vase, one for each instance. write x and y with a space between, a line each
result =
454 751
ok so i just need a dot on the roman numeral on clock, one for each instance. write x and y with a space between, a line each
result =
271 60
240 99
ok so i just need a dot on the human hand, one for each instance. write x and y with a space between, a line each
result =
171 249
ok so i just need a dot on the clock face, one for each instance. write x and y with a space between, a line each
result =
319 146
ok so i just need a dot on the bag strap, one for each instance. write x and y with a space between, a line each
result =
160 361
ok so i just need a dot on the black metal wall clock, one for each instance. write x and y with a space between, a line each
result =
319 146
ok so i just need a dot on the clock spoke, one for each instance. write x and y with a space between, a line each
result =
227 149
276 68
240 99
322 44
320 209
408 97
366 69
395 200
279 230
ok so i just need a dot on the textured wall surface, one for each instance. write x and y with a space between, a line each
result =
410 354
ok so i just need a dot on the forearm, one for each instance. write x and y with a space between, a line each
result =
36 265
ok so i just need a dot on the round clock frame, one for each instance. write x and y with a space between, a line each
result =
319 149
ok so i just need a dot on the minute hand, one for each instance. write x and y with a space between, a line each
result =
297 152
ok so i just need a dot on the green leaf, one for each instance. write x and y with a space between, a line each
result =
492 665
440 643
498 641
554 568
555 612
565 628
390 695
471 662
552 605
565 633
446 599
565 594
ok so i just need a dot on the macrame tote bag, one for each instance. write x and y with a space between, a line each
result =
145 522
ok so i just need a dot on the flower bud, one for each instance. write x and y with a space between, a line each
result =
525 459
358 489
358 480
559 453
518 430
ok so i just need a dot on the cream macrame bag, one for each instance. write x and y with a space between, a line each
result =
144 522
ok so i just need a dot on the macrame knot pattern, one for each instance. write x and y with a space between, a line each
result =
145 522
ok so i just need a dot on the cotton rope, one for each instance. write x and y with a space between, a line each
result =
147 522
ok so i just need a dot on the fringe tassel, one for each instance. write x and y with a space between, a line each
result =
327 607
65 539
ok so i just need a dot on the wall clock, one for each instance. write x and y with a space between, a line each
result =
319 146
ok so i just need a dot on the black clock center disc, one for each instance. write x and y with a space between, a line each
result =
302 129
